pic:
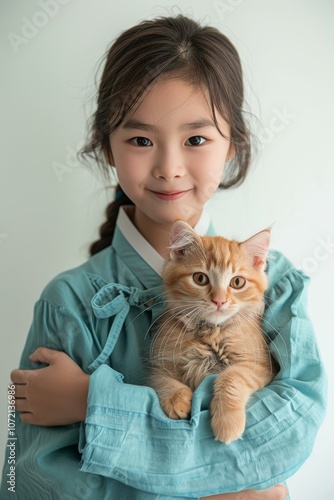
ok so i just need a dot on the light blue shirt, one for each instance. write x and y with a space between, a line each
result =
101 314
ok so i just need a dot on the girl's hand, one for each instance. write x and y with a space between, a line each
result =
54 395
278 492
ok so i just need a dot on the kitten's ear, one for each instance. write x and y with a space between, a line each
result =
257 249
182 236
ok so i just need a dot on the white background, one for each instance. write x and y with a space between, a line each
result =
51 206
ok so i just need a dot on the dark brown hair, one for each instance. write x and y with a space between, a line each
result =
168 46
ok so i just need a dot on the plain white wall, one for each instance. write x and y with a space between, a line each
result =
51 206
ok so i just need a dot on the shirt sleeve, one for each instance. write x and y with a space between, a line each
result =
46 459
127 436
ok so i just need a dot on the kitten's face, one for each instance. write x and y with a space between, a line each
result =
211 278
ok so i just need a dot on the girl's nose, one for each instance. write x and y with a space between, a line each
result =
168 166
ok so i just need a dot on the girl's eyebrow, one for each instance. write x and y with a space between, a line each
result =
138 125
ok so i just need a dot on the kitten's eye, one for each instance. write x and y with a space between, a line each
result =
237 282
142 142
200 279
196 140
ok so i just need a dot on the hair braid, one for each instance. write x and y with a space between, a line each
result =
108 227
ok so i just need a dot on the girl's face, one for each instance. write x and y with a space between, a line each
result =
169 155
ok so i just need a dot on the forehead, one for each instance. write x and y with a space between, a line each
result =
172 101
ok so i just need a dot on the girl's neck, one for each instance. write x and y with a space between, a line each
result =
157 234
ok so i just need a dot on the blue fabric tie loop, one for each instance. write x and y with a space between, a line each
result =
115 299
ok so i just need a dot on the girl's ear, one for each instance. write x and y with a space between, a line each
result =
108 155
257 248
231 153
182 236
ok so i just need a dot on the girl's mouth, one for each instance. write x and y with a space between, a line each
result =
170 195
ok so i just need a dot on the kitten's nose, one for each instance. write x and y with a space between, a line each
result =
219 303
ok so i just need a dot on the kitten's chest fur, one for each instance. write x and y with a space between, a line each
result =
194 353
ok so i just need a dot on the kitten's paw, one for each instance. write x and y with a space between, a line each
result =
178 406
227 424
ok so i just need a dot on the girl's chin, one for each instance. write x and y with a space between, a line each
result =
168 214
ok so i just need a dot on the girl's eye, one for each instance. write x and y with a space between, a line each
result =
196 140
237 282
200 279
142 142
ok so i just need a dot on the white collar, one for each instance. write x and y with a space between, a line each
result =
142 246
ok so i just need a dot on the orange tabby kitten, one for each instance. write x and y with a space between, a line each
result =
214 295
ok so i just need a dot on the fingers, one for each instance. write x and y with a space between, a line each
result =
22 405
29 418
19 376
44 355
282 491
41 355
20 391
278 492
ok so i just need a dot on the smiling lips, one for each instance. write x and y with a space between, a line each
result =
170 195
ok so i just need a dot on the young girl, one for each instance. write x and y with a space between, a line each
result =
169 121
